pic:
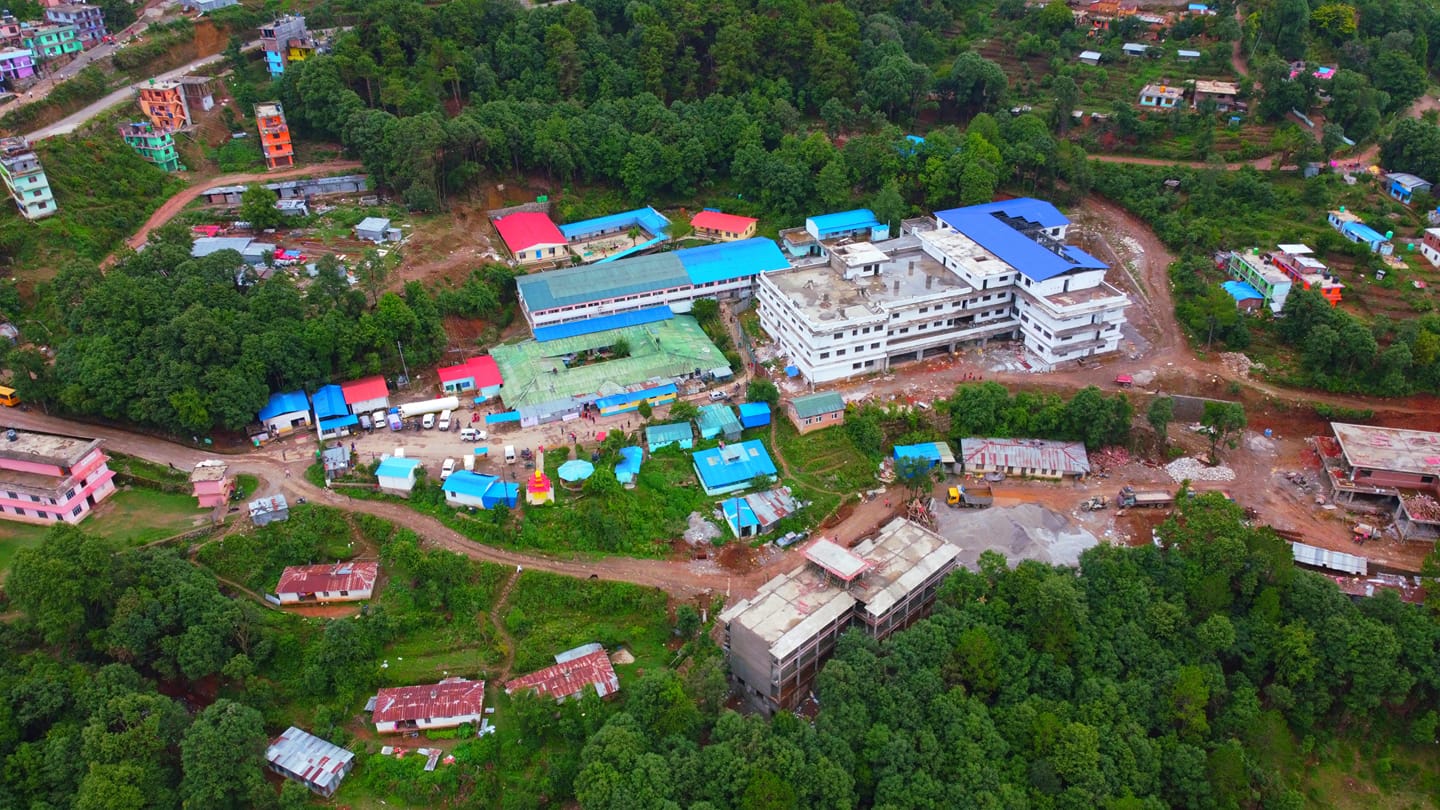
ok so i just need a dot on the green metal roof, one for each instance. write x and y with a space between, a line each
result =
580 285
812 405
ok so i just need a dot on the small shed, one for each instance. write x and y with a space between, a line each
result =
754 414
293 208
1247 298
274 509
1186 55
816 411
758 512
629 465
1134 49
718 420
374 229
336 459
1089 57
315 763
931 453
678 433
396 475
466 488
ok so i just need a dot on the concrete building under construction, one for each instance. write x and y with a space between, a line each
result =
778 639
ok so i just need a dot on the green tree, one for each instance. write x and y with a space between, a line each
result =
706 311
687 621
763 390
1223 422
889 206
1161 411
257 207
683 411
63 585
222 755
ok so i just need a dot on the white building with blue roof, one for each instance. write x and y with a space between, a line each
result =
396 474
996 271
285 413
674 279
733 467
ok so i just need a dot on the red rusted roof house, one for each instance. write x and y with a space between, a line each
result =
338 582
573 671
446 704
315 763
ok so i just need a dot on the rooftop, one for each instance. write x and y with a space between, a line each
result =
759 508
526 229
452 697
365 389
718 221
571 675
812 405
268 109
1392 449
1216 88
604 323
836 559
1241 291
481 367
645 218
824 295
1264 269
537 372
210 470
329 401
207 245
309 757
346 576
397 467
1407 180
290 402
855 220
733 464
46 448
1015 232
1067 458
1163 91
671 432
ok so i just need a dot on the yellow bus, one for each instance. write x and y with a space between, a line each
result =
8 398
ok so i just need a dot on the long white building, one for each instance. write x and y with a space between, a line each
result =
1000 270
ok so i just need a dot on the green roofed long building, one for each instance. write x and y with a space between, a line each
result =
675 279
575 368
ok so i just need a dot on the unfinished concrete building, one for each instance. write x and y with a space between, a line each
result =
778 639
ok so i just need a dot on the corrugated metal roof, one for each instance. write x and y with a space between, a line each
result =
1241 291
582 285
993 226
329 401
289 402
450 699
843 221
716 419
733 464
730 260
264 506
627 397
590 326
571 677
206 245
666 434
483 369
720 221
526 229
1325 558
465 482
1066 458
310 758
346 576
813 405
364 390
647 218
396 467
629 465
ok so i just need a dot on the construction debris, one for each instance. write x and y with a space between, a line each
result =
1238 363
1423 507
1109 458
1192 469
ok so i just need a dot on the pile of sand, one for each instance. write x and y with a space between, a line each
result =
1025 532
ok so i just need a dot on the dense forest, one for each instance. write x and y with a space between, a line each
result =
1203 672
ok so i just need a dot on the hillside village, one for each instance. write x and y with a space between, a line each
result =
517 405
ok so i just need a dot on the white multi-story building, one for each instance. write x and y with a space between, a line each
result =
999 270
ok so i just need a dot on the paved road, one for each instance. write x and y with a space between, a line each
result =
72 122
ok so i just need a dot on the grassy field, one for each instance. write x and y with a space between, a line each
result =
130 517
548 613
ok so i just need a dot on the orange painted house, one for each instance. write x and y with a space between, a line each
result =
274 135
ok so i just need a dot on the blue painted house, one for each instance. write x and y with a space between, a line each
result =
396 475
857 224
1403 186
1352 228
331 413
733 467
466 488
754 414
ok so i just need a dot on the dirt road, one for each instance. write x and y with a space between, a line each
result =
175 204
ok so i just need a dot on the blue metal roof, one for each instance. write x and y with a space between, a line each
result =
844 221
727 260
329 401
647 218
993 227
1241 291
739 513
465 482
754 414
927 451
344 420
1363 231
626 397
665 434
605 323
396 467
735 464
629 465
291 402
717 418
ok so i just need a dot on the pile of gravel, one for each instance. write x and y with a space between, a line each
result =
1193 469
700 530
1257 443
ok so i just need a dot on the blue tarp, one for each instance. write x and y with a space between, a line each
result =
629 464
1241 291
754 414
329 401
293 402
727 260
647 218
994 227
496 418
792 371
590 326
843 221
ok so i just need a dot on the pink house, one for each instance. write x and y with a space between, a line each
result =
47 479
211 486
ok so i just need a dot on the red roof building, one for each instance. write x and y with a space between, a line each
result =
723 227
476 373
369 394
339 582
532 237
447 704
575 670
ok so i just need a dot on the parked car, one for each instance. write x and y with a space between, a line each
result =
428 421
447 468
472 435
377 419
716 396
365 423
444 420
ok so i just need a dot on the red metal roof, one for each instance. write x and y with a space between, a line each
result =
452 697
482 368
365 390
527 229
346 576
570 678
716 221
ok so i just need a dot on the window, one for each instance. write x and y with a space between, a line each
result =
824 355
874 345
840 353
76 511
854 365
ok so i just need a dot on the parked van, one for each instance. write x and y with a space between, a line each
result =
472 435
8 398
364 421
447 468
444 420
396 423
378 419
509 454
428 421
